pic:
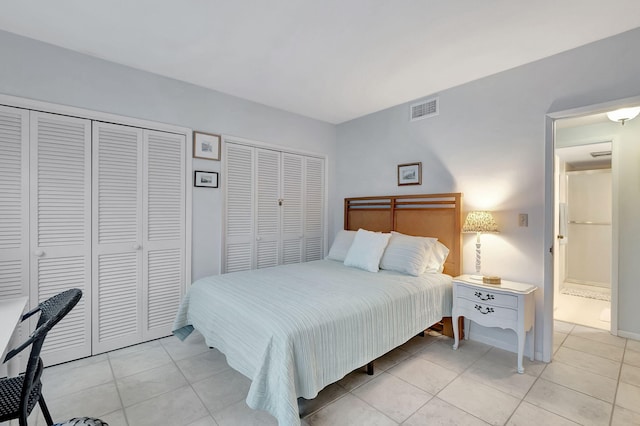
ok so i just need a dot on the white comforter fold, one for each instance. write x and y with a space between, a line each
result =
294 329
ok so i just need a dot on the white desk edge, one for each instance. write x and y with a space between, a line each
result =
10 314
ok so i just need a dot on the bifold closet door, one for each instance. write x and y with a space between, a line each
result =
14 202
14 208
139 233
267 209
117 236
60 229
274 208
239 206
292 208
164 231
314 208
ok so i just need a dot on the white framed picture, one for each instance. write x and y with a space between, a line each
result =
206 145
410 174
205 179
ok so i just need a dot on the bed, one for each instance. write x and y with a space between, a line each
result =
294 329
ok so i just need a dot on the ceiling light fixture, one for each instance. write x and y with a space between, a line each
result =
623 114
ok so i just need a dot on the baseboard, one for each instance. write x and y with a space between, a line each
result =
498 343
502 344
629 335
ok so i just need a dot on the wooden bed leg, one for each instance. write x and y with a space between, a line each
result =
421 334
370 368
447 327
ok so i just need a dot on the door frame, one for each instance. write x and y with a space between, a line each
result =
549 216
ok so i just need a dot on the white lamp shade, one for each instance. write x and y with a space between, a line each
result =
623 114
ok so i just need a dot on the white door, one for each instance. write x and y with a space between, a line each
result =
14 202
267 209
117 236
292 208
14 210
164 233
139 233
239 198
314 208
60 231
275 208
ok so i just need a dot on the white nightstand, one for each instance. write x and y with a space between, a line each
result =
506 305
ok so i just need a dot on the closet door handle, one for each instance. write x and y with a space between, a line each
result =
38 253
136 246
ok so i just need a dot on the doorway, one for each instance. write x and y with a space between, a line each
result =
624 136
583 221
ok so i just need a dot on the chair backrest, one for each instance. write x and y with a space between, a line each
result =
51 311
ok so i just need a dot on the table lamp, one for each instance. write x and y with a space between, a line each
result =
479 222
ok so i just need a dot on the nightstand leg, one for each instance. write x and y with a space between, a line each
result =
456 332
521 338
532 344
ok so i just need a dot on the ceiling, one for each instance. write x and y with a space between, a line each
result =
333 60
580 156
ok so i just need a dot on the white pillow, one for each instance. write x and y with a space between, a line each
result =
407 254
438 255
341 244
366 250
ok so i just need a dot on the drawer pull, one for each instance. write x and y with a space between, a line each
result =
487 297
487 310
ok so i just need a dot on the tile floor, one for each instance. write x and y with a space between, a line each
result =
582 310
593 380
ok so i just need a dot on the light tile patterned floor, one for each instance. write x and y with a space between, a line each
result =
593 380
582 310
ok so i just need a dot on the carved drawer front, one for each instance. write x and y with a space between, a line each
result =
483 311
488 297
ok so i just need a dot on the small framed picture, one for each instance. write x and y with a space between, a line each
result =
410 174
206 145
205 179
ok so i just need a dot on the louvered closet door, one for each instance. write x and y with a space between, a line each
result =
117 236
14 208
60 216
267 216
314 199
14 202
239 200
292 208
164 232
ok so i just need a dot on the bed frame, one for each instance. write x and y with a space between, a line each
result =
424 215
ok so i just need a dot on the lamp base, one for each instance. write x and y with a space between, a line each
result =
476 277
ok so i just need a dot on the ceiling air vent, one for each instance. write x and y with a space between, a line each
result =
424 109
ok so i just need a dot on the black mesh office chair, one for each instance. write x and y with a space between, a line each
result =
20 394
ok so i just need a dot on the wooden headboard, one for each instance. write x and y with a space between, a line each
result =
424 215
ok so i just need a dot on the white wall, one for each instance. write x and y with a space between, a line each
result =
36 70
627 198
489 143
